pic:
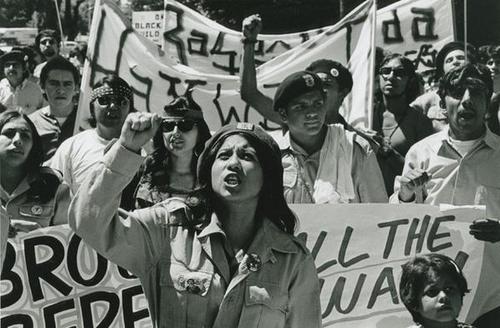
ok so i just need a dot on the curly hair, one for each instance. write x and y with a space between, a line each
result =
421 270
464 76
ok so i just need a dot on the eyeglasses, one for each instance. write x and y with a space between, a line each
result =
48 42
182 125
396 71
107 100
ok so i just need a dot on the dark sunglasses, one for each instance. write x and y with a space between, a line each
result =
182 125
397 71
107 100
459 91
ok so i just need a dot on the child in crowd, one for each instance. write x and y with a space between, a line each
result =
432 288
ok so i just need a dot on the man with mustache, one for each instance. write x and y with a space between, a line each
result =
55 123
460 164
47 42
323 163
16 90
111 101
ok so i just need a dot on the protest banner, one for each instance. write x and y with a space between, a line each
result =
149 24
114 47
52 279
408 27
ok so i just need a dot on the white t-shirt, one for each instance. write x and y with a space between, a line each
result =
77 155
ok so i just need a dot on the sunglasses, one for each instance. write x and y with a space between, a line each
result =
107 100
459 91
396 71
182 125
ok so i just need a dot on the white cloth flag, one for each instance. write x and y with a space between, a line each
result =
157 78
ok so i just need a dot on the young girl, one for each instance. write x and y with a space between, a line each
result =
432 288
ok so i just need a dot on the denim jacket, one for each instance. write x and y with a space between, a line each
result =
183 268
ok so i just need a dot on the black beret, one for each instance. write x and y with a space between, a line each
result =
183 107
334 70
449 47
295 85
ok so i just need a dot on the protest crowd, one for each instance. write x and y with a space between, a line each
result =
201 216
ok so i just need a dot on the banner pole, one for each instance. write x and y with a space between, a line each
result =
465 29
60 24
372 64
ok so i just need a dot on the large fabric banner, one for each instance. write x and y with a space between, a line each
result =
408 27
52 279
157 78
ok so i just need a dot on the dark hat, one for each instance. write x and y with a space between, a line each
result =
259 137
295 85
48 32
184 107
449 47
334 70
17 55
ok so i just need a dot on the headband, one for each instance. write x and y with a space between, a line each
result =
106 90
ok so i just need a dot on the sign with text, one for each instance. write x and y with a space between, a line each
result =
52 279
149 24
115 47
415 28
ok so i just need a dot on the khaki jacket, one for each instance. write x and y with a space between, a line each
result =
21 206
183 268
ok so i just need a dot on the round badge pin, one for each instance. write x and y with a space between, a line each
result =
254 262
334 72
36 210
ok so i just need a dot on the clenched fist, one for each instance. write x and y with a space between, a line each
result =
138 129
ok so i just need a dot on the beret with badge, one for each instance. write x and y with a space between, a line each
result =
295 85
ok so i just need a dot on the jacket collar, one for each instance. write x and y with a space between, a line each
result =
268 237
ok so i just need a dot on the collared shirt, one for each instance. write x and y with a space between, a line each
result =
184 271
300 171
27 96
49 129
471 179
20 206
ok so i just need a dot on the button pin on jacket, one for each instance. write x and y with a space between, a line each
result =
36 210
254 263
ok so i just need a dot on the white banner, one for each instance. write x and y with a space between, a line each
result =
114 47
415 28
53 279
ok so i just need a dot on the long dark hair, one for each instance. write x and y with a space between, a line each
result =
272 203
412 89
35 157
157 164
